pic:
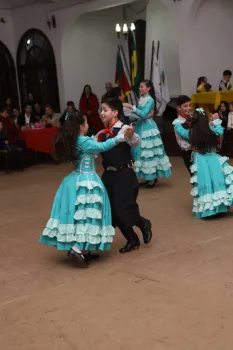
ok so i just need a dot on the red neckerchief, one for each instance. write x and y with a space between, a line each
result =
187 120
107 131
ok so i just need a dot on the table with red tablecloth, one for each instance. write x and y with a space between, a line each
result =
40 140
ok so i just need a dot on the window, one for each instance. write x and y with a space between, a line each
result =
37 69
8 84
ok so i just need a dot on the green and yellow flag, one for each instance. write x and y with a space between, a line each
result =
134 65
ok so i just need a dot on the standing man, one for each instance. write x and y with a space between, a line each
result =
109 92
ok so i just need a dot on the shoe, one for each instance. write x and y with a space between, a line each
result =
91 256
151 184
77 258
129 247
146 229
143 184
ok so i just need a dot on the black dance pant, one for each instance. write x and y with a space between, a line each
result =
122 188
187 157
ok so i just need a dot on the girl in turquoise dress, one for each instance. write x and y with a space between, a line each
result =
212 176
81 215
150 157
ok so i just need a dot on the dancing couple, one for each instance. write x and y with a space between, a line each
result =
84 214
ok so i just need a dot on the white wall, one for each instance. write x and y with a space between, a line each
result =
26 18
89 53
162 25
206 44
89 50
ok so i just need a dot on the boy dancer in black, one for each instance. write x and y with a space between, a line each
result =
120 179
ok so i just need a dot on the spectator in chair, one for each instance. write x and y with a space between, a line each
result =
70 109
15 153
26 119
49 119
8 106
37 111
15 115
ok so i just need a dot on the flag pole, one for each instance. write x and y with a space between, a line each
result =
152 59
158 48
125 62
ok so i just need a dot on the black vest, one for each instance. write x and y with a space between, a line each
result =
185 125
119 155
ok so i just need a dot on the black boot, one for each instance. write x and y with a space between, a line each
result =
77 258
91 256
151 184
146 228
129 247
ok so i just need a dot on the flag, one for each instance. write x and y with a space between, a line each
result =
134 63
160 81
121 78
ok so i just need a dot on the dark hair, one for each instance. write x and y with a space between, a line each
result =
182 99
227 72
226 104
150 85
70 103
49 106
91 93
202 138
200 80
116 105
116 91
27 105
65 140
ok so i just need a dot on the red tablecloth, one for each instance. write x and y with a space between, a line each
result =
39 140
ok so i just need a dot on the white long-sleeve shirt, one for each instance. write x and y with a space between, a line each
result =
132 141
230 120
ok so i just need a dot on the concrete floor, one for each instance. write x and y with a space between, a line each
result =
176 293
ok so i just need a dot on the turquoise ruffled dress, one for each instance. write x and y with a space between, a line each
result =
150 157
81 212
212 179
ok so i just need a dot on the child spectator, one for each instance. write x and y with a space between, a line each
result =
225 84
203 85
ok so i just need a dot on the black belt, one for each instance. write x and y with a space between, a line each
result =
112 168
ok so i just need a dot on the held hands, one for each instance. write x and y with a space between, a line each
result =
125 134
129 131
127 105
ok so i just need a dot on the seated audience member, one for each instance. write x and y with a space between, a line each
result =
203 85
230 117
49 119
70 108
223 112
26 120
30 100
109 93
15 153
8 106
9 127
37 111
15 115
225 84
